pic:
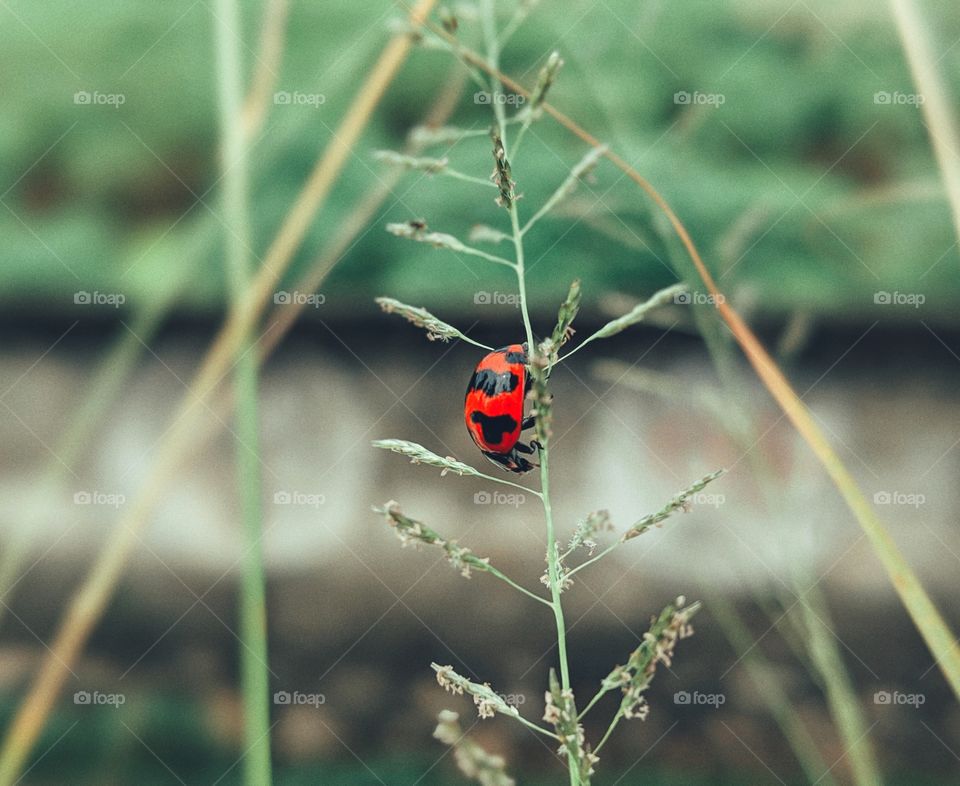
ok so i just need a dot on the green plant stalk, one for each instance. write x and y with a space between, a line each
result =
503 577
553 567
609 731
553 561
253 616
553 571
840 696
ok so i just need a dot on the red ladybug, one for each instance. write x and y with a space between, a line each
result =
493 408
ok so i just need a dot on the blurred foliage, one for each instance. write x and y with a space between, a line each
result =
802 191
153 749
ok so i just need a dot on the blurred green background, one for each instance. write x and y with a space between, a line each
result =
799 187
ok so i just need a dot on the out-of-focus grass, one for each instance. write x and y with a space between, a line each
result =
799 135
255 673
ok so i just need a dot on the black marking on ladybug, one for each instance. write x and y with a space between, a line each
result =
494 427
492 383
516 357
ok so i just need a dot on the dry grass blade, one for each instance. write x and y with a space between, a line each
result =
925 615
87 605
268 62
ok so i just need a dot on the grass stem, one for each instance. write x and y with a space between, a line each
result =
254 672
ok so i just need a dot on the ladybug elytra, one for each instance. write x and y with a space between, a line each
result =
493 408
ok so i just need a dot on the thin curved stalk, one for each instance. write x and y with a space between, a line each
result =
504 577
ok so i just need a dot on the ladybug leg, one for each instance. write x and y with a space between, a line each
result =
512 461
520 464
500 459
528 450
528 422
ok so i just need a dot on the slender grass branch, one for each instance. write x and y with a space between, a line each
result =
638 314
489 257
457 175
609 731
489 22
522 279
531 725
520 14
597 696
504 482
503 577
413 231
421 455
595 558
431 166
450 135
566 187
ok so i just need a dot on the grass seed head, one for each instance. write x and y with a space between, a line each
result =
437 329
545 80
502 175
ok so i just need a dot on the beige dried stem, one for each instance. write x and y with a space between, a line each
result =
268 60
